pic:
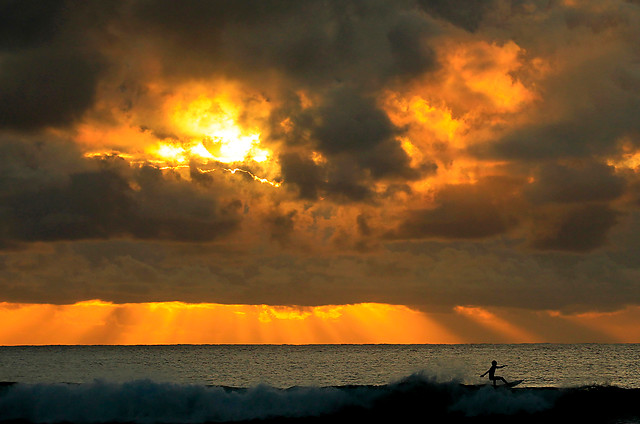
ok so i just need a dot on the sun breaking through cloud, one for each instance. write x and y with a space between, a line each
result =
459 158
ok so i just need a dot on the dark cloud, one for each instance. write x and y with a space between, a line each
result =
89 228
340 179
407 39
359 142
582 136
50 69
304 173
634 188
603 21
170 208
46 87
200 177
363 226
588 106
389 160
99 202
91 205
215 36
429 275
281 226
496 273
575 229
346 181
465 211
348 122
28 23
312 44
583 182
467 14
341 53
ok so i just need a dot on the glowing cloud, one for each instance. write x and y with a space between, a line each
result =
621 325
428 153
501 326
214 122
207 125
97 322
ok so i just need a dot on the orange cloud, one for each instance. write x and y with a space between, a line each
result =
486 70
97 322
510 332
622 326
213 126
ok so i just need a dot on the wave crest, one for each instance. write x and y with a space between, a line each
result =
416 396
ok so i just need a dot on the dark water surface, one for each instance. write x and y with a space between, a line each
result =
318 383
540 365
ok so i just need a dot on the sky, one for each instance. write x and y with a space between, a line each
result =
383 171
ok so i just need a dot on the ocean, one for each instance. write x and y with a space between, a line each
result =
595 383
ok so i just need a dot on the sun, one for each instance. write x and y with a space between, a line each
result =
212 129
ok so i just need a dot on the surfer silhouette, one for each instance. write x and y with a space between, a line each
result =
492 373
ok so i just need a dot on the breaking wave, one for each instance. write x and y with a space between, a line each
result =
415 397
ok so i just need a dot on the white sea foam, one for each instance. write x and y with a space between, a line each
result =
149 402
490 401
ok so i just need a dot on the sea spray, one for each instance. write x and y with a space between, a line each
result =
150 402
502 401
417 396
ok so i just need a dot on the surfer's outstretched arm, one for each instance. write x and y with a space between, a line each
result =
485 373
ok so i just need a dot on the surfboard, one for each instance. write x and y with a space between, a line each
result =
498 386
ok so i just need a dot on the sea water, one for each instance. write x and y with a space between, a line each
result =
233 383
